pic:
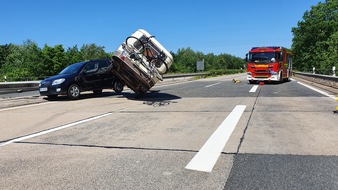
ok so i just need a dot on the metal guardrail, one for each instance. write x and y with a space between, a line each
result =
12 87
184 75
326 80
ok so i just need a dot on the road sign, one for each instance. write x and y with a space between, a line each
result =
200 65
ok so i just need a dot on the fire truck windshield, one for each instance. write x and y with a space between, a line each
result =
262 57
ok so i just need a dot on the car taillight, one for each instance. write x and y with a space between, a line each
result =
122 56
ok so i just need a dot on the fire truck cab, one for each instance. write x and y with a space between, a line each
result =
271 63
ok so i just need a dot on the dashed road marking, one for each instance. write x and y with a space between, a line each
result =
212 85
254 88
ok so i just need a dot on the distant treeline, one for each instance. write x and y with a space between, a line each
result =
29 61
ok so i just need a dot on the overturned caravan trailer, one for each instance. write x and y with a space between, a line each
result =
140 61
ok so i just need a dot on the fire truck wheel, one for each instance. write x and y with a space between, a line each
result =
281 77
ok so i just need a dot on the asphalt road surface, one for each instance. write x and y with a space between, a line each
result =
203 134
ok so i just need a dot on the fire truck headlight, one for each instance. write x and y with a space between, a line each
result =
274 73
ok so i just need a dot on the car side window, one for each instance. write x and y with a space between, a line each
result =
103 66
91 67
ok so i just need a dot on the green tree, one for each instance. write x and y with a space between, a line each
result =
59 59
185 61
92 51
4 52
14 66
315 38
209 61
47 65
32 57
73 55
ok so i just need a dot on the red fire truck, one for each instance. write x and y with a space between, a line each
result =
272 63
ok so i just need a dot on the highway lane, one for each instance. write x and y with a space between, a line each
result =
284 139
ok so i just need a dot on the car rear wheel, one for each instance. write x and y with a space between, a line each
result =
118 87
73 91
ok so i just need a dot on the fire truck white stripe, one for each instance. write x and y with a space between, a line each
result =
208 155
254 88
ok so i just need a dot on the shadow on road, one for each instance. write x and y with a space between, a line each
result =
152 95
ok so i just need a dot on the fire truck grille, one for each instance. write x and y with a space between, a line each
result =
262 71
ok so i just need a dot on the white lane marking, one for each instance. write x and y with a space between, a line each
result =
254 88
25 106
53 130
317 90
208 155
212 85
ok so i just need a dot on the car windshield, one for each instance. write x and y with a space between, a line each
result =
71 69
261 57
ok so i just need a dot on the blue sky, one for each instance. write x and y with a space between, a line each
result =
208 26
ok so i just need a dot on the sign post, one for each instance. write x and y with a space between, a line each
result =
334 70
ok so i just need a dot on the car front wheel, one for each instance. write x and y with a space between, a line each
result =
73 91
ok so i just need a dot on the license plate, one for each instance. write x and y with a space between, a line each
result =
44 89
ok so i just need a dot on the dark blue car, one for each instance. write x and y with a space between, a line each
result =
93 75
